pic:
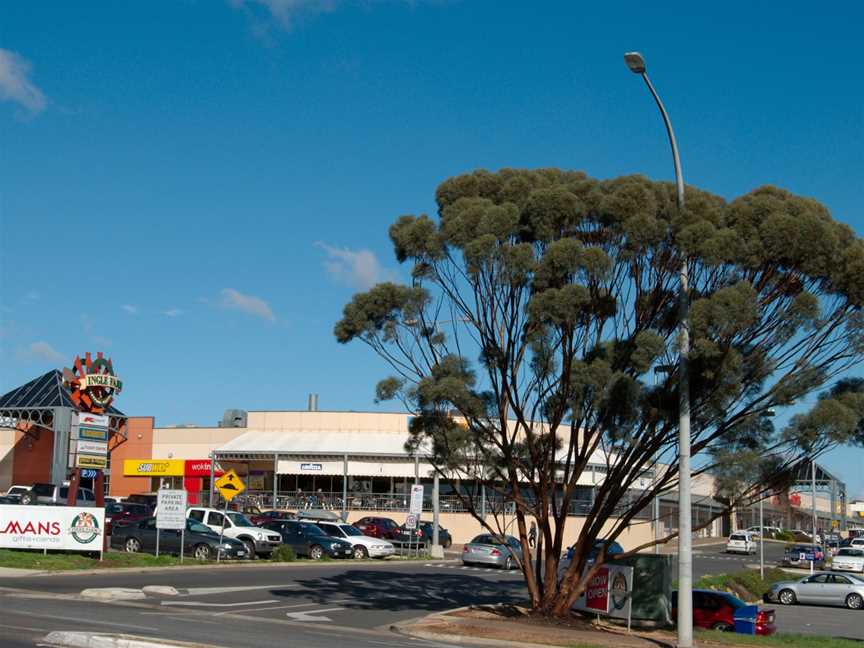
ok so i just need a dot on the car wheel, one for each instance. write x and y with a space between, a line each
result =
508 564
854 602
316 552
360 552
201 552
27 498
448 543
133 545
250 549
787 597
722 626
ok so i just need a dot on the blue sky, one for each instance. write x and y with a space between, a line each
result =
197 187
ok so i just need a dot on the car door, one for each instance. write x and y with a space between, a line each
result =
292 535
215 520
836 589
812 590
147 535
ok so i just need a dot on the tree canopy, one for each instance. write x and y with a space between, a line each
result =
539 333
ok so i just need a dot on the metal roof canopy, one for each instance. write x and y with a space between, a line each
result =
46 402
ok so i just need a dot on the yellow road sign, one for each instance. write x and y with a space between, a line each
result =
229 485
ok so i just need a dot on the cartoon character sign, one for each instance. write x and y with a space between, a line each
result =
92 383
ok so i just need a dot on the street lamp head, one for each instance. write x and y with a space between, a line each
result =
635 62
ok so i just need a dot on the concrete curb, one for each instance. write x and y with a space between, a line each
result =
113 594
71 639
225 565
469 641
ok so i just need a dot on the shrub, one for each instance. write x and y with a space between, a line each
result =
283 553
745 584
786 536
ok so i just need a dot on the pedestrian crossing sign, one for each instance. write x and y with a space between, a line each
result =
230 485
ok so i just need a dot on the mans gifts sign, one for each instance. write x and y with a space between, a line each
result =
71 528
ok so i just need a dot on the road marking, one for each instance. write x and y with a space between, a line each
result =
79 620
307 616
205 591
202 604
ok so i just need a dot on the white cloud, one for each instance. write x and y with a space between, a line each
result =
285 11
172 312
235 300
357 268
15 85
130 308
43 351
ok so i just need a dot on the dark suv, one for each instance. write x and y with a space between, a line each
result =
306 539
378 527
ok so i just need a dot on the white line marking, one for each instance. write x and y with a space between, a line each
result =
202 604
204 591
307 616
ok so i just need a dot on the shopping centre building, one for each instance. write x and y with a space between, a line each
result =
345 461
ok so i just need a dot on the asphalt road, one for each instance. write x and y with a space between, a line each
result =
313 605
303 605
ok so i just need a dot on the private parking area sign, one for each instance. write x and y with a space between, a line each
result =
171 509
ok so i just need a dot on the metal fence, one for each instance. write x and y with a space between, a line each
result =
396 503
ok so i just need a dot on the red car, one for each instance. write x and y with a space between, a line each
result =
378 527
121 513
262 518
716 611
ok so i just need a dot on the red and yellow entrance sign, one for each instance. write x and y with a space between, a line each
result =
92 383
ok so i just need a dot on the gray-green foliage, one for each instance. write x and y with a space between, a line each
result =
542 300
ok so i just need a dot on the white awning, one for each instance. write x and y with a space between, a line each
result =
305 443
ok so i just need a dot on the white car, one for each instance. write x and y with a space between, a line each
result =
15 492
770 531
857 543
741 542
849 559
364 546
259 542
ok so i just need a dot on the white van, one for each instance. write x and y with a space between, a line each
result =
741 542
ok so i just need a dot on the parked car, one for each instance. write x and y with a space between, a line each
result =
486 549
769 531
57 495
716 611
848 559
147 499
827 588
364 546
612 548
797 556
404 536
263 517
444 538
741 542
309 540
199 541
16 492
378 527
857 543
258 541
10 499
125 513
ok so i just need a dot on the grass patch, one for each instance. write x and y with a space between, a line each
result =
775 641
58 561
745 584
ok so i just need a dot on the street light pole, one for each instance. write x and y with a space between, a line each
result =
636 63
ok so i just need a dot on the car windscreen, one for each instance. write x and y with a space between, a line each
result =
350 530
311 529
331 530
240 520
858 553
197 527
738 536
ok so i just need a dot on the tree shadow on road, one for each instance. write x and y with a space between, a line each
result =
386 590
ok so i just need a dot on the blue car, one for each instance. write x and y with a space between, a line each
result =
612 547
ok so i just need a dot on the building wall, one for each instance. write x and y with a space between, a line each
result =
138 445
32 456
7 457
190 443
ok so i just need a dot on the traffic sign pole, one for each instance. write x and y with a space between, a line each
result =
222 531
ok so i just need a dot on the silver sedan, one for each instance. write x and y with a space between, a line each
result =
829 588
487 549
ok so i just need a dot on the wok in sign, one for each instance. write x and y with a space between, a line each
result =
51 527
608 592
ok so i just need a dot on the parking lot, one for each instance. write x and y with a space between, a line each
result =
317 604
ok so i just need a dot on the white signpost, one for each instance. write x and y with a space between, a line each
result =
415 509
71 528
171 514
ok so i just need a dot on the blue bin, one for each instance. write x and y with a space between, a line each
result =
745 619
